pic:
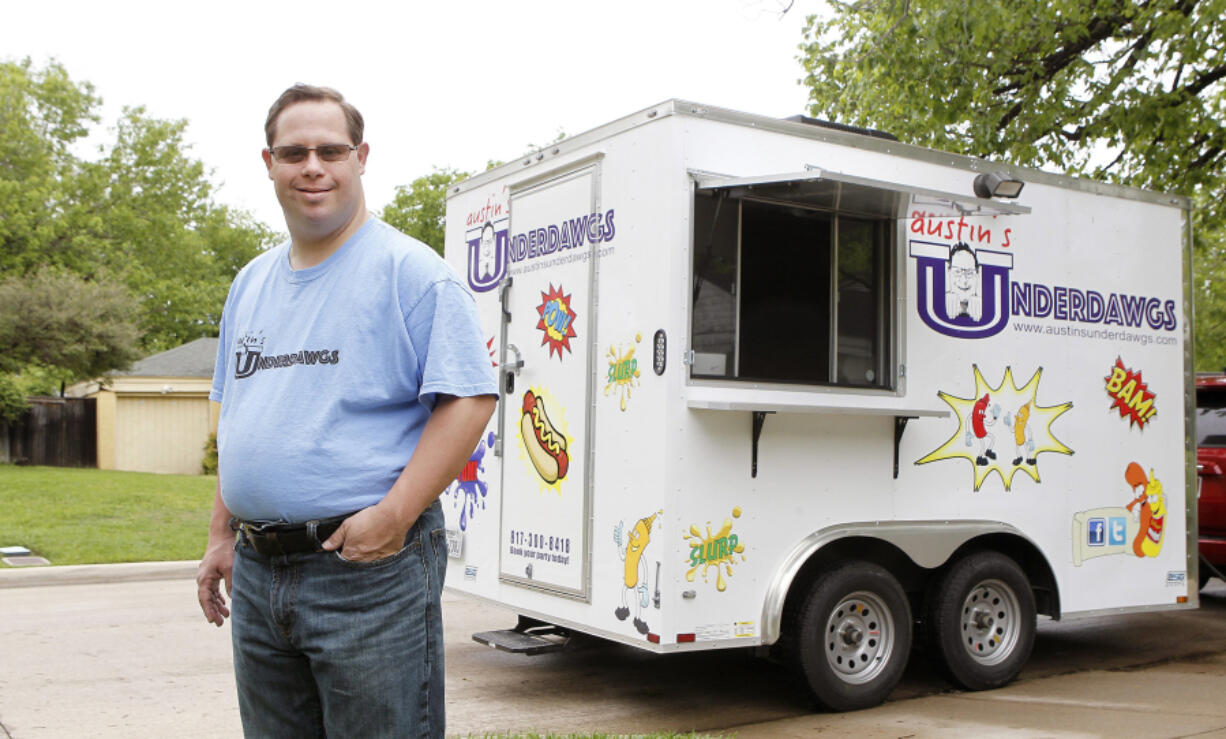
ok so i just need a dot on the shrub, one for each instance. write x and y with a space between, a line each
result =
209 463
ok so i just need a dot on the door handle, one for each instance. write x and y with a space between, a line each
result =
511 368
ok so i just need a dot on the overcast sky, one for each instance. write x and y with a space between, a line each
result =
449 84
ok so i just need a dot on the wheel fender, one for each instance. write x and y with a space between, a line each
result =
928 543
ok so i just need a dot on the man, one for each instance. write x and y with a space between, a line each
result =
354 383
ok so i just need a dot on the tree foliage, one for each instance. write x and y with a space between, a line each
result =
419 208
56 325
136 222
58 319
1128 91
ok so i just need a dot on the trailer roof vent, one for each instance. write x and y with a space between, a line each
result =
842 127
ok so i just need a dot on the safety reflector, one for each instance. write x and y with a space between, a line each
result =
683 638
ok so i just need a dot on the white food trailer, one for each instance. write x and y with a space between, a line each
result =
775 383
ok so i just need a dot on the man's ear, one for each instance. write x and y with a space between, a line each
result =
267 161
363 152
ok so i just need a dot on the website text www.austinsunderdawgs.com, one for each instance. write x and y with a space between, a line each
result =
1106 334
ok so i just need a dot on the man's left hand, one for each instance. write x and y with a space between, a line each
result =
371 533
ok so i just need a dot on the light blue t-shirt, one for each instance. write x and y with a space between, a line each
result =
326 375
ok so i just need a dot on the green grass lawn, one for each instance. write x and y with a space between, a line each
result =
83 516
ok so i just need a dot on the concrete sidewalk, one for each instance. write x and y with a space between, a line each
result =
33 577
123 651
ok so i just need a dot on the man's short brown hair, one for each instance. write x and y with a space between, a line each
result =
303 93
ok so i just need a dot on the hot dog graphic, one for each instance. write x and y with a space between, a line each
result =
546 445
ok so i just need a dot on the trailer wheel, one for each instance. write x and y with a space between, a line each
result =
852 637
981 621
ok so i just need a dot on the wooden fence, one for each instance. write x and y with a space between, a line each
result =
57 432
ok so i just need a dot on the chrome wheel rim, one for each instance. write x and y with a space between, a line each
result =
859 637
990 622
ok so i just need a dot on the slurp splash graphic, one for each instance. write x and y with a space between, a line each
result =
1010 411
623 371
1132 397
718 550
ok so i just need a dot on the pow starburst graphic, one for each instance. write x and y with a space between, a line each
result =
557 320
1001 429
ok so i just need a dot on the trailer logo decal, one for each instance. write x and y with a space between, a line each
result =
634 585
978 415
623 371
962 292
571 233
543 439
557 320
1070 304
1136 528
718 550
1132 396
487 252
469 489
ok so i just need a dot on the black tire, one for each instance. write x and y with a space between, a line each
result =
981 621
852 637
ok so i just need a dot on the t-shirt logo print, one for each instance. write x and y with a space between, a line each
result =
247 353
249 356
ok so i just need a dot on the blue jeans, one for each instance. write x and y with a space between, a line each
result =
328 647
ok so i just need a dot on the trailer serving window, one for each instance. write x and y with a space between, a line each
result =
793 282
794 276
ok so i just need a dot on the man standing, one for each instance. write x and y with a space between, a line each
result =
354 383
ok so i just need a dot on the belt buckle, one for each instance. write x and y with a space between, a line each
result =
259 528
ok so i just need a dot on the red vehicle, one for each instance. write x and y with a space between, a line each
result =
1211 471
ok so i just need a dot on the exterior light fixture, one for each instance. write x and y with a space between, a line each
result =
997 185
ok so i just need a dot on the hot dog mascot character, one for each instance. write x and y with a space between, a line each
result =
1152 512
545 444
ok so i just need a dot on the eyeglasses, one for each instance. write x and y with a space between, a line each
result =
297 154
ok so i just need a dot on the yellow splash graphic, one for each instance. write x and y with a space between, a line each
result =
623 371
557 416
1001 429
716 550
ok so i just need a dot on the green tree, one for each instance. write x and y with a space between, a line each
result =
141 211
176 249
1127 91
56 325
419 208
42 115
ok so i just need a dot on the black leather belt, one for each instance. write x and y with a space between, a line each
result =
273 539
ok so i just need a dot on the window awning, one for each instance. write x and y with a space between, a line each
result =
854 196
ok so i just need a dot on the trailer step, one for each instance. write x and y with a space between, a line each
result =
518 642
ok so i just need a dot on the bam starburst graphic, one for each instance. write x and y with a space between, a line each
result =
1001 429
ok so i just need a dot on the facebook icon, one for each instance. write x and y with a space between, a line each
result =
1096 532
1118 530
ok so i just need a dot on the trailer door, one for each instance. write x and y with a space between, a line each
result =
547 383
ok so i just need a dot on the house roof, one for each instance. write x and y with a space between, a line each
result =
193 359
